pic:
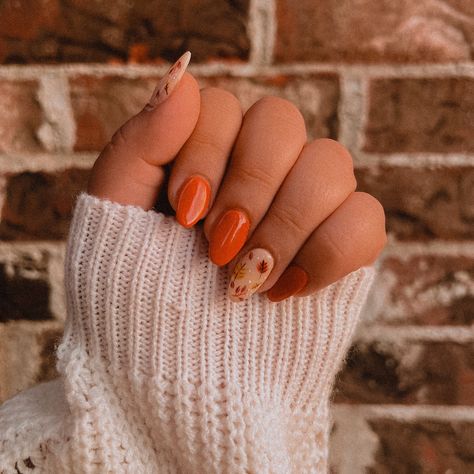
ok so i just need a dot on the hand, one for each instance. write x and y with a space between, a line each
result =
282 212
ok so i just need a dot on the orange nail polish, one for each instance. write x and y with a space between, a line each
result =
228 236
293 280
193 201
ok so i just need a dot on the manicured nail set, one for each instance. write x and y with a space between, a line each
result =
231 230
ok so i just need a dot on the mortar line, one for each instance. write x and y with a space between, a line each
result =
350 112
371 71
409 413
407 250
58 131
411 159
57 161
377 332
48 162
262 31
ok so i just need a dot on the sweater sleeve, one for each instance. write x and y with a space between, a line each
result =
163 373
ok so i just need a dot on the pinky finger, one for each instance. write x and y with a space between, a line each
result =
351 237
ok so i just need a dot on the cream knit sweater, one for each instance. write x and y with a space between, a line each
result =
162 373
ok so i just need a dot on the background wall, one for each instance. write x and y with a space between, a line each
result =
392 80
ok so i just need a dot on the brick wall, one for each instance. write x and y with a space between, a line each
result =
394 81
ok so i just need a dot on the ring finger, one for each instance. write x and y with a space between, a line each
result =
321 179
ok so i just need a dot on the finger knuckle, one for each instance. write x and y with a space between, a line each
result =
375 209
208 144
226 99
328 243
335 149
119 138
371 203
291 219
284 109
337 158
257 177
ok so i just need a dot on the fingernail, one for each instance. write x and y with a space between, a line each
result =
249 274
291 281
228 236
193 200
169 81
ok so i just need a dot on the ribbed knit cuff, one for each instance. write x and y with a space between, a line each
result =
144 300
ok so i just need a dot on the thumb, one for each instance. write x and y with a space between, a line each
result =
130 169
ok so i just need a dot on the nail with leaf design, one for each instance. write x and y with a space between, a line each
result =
169 81
249 273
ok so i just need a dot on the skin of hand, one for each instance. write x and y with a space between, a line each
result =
282 212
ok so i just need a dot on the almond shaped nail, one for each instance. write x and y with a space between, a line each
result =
169 81
249 273
193 200
228 236
291 281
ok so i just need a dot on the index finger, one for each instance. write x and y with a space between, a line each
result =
129 169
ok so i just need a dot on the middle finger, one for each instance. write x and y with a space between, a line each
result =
272 135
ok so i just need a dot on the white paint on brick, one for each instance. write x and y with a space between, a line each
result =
353 444
407 413
45 162
367 333
407 250
261 31
57 303
461 69
58 131
412 160
351 111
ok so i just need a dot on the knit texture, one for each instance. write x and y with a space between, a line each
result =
162 373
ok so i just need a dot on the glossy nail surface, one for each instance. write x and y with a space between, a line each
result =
193 200
228 236
291 281
249 273
169 81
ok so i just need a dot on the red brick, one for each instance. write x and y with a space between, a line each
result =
48 341
426 290
423 203
424 446
21 116
315 95
101 105
82 31
374 31
38 206
24 289
440 373
420 115
27 355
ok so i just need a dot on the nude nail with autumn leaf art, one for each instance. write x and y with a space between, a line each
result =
169 81
250 273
